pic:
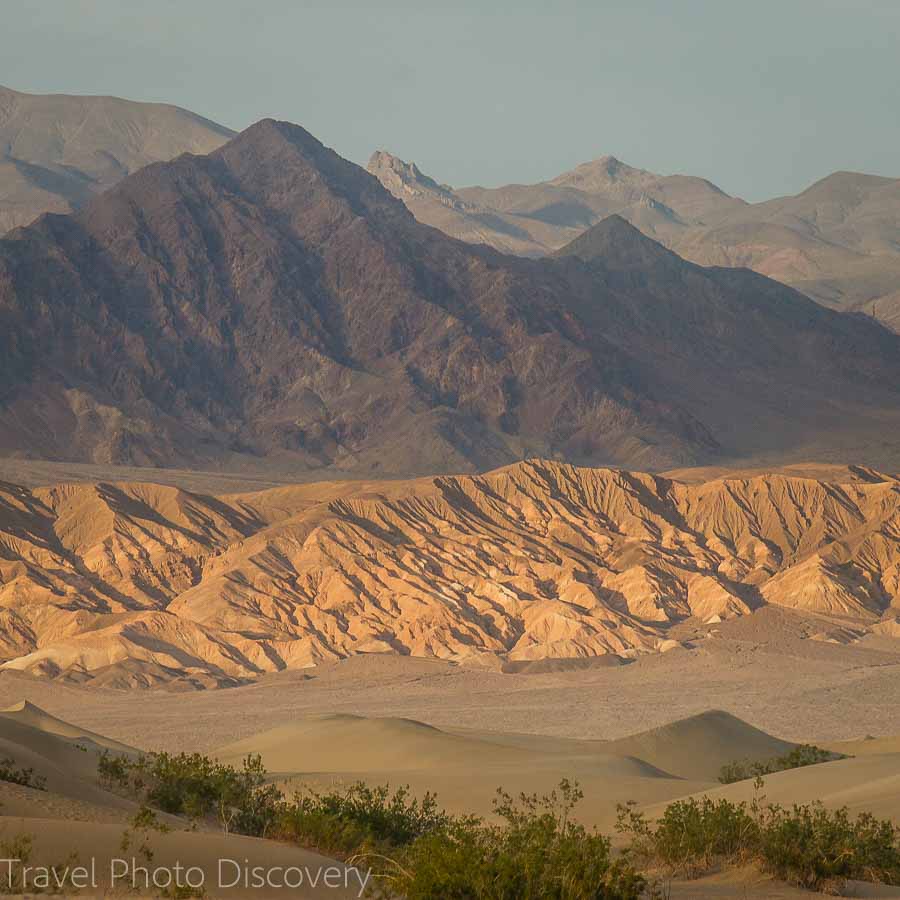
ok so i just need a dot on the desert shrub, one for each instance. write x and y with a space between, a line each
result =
17 847
815 847
16 852
809 846
535 852
692 835
193 785
137 837
24 777
359 816
113 771
799 756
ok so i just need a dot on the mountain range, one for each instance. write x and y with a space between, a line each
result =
58 150
838 241
138 584
273 304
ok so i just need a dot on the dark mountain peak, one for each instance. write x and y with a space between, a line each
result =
293 170
616 242
277 167
273 304
268 134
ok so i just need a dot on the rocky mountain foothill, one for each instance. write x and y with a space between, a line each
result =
136 585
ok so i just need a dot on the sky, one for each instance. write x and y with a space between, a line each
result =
763 98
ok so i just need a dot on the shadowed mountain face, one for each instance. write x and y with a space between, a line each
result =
272 301
57 151
838 241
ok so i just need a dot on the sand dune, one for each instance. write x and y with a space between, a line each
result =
66 756
863 784
464 766
346 744
54 840
27 714
62 754
699 746
465 770
651 768
867 746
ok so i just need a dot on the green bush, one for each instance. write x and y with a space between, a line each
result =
356 817
535 852
532 851
692 835
801 755
192 785
815 847
809 846
24 777
113 771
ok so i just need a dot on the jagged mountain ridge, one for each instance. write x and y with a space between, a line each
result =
58 150
838 241
140 584
273 304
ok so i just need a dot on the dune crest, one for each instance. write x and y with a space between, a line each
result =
698 746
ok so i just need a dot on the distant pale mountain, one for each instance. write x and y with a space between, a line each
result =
438 205
534 219
838 241
57 150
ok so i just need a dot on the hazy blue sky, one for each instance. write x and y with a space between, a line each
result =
761 97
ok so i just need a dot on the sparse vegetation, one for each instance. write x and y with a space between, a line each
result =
535 852
418 851
801 755
533 849
136 837
359 818
16 852
24 777
136 840
192 785
807 845
19 847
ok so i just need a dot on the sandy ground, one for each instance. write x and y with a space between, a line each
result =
758 669
650 731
